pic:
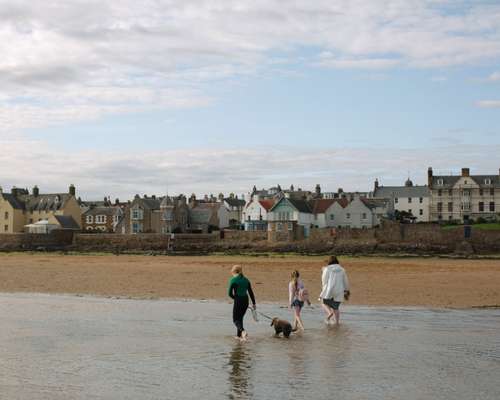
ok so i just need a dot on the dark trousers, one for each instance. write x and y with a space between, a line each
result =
239 309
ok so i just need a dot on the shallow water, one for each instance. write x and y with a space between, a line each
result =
64 347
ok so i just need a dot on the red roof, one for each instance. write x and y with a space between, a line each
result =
319 206
267 203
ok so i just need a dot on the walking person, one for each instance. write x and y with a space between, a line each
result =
239 289
297 295
335 289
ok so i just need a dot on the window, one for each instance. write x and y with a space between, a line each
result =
450 217
492 206
421 200
332 217
440 182
89 219
137 213
492 191
290 226
450 192
6 215
279 226
450 206
487 181
409 211
481 206
481 192
363 216
440 207
440 192
440 217
136 227
100 219
6 228
465 182
31 220
421 212
396 200
348 216
409 199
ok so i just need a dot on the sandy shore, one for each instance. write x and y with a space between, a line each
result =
428 282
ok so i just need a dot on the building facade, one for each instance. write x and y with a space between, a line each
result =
20 208
409 198
464 197
255 214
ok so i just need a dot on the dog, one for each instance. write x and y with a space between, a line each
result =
281 326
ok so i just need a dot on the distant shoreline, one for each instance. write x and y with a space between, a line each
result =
376 281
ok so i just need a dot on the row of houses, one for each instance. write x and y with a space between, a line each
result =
283 212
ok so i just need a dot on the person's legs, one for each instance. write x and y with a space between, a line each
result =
298 321
336 311
239 310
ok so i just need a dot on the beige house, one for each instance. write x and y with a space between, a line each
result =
19 208
464 197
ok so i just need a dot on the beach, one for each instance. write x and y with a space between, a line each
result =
375 281
67 347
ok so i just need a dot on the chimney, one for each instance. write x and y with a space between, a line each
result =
153 197
376 184
318 190
465 172
429 177
36 191
72 190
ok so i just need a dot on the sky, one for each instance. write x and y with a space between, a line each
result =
154 97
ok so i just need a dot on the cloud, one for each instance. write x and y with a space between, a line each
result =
488 104
204 170
68 60
494 77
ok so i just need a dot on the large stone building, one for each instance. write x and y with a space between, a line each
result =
20 208
464 197
413 199
151 214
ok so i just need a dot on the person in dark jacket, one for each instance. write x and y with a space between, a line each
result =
239 289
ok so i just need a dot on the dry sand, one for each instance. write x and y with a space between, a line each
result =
431 282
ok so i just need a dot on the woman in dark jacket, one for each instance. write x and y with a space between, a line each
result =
239 289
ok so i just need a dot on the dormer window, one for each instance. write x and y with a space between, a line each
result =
440 182
487 181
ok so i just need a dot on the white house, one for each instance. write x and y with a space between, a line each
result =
413 199
255 214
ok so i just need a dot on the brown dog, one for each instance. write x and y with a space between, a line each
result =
281 326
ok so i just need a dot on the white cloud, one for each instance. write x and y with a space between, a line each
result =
488 103
211 171
65 60
494 77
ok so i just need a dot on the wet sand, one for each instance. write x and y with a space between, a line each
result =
428 282
69 348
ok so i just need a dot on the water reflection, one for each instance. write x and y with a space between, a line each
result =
239 371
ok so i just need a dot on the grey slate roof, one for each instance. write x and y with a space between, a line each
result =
450 180
48 202
13 201
109 211
374 203
388 192
66 222
234 202
303 206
